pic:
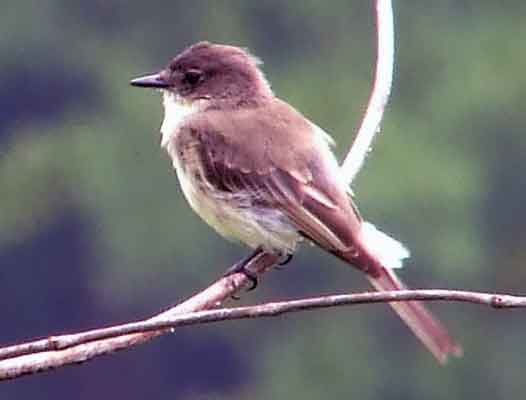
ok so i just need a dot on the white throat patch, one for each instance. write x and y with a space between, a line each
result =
176 110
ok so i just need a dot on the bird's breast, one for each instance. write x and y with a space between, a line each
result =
233 215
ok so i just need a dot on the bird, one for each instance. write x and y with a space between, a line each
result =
260 173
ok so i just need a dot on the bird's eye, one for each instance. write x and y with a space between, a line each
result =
193 76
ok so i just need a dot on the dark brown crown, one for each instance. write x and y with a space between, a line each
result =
207 70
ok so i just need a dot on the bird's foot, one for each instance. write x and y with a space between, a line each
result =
284 260
243 267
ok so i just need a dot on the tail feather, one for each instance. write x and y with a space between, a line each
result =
378 257
390 252
427 328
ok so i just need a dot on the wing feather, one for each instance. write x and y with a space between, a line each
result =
277 174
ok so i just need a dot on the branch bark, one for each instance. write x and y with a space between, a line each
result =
42 354
30 358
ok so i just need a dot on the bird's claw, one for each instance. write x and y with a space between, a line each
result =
285 259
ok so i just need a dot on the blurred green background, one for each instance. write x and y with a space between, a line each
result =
94 229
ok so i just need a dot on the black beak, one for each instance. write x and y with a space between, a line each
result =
150 81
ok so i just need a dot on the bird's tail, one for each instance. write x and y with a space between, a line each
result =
426 327
387 253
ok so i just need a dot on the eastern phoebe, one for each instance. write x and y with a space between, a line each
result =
259 172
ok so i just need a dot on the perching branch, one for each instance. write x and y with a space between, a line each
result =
273 309
36 355
31 358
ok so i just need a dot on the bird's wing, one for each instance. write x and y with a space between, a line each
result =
249 151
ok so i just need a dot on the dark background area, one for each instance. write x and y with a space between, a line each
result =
94 229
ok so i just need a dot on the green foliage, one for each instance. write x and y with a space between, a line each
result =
445 176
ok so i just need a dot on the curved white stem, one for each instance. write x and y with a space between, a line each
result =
380 94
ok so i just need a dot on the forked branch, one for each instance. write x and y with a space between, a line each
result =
33 357
175 320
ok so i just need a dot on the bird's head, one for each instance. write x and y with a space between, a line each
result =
207 71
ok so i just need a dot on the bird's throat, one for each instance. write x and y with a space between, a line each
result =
176 111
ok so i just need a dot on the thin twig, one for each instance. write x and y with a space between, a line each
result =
35 360
15 355
380 94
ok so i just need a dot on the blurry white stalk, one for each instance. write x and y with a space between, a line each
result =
380 94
